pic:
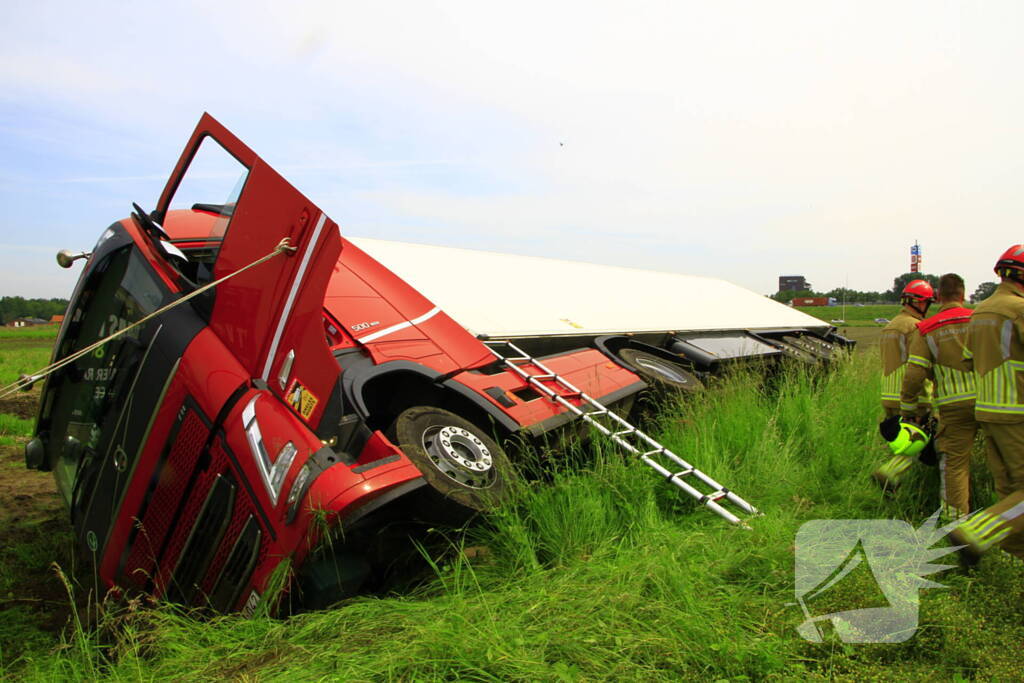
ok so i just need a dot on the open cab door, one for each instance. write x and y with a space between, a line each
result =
271 316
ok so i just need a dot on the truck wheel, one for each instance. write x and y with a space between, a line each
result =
660 372
455 456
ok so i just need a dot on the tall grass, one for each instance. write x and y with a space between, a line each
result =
603 571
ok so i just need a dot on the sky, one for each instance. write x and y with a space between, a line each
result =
741 140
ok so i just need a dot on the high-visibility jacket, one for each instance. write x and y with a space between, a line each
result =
895 348
995 346
937 353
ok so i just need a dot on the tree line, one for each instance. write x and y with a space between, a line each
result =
13 307
852 296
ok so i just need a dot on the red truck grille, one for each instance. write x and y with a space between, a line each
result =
158 511
244 540
211 560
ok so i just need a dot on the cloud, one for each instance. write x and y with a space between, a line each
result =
737 139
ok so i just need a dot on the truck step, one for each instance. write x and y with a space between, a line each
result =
630 438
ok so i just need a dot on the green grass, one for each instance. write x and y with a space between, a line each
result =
603 571
12 426
855 315
23 356
33 332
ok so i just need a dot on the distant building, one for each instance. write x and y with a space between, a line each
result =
792 283
27 322
56 319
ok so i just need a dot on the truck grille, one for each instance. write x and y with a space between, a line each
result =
239 567
157 512
205 536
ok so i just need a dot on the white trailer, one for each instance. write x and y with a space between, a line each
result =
504 296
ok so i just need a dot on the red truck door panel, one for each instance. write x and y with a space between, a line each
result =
269 316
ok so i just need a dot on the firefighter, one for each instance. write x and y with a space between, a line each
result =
916 297
995 346
936 354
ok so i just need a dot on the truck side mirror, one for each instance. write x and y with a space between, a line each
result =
35 454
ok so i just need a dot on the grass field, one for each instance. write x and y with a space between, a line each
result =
601 571
855 316
33 332
24 350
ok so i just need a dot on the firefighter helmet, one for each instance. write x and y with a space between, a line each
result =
1011 263
918 290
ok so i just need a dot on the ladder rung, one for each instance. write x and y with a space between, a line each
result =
681 473
716 496
631 430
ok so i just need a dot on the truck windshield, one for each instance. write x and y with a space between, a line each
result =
86 398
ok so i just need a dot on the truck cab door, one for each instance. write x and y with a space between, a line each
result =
270 316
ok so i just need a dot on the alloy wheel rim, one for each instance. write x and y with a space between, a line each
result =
460 455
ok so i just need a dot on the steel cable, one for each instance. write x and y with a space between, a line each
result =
27 380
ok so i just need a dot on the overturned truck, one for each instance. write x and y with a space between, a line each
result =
235 379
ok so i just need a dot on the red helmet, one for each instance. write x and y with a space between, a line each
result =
918 290
1011 260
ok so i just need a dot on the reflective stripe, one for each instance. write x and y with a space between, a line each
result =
952 385
892 384
996 408
1006 337
903 349
932 346
1013 513
908 407
997 389
400 326
300 274
942 479
955 398
895 466
984 529
966 353
988 526
918 360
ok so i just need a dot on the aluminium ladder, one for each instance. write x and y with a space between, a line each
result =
621 432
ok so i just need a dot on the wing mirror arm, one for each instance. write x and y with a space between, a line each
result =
65 257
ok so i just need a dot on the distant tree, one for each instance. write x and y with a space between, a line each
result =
901 281
983 292
12 307
786 297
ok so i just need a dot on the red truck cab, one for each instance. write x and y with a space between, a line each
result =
216 441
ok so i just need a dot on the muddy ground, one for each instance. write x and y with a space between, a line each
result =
22 405
35 538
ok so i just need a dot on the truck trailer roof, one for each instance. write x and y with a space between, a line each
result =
509 296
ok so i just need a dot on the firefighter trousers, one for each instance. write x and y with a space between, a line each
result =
954 442
1003 522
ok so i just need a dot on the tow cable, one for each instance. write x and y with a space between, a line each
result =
25 382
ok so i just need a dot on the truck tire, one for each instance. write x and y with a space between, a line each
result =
660 372
456 457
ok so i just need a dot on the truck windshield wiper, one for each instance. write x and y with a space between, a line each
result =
148 224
